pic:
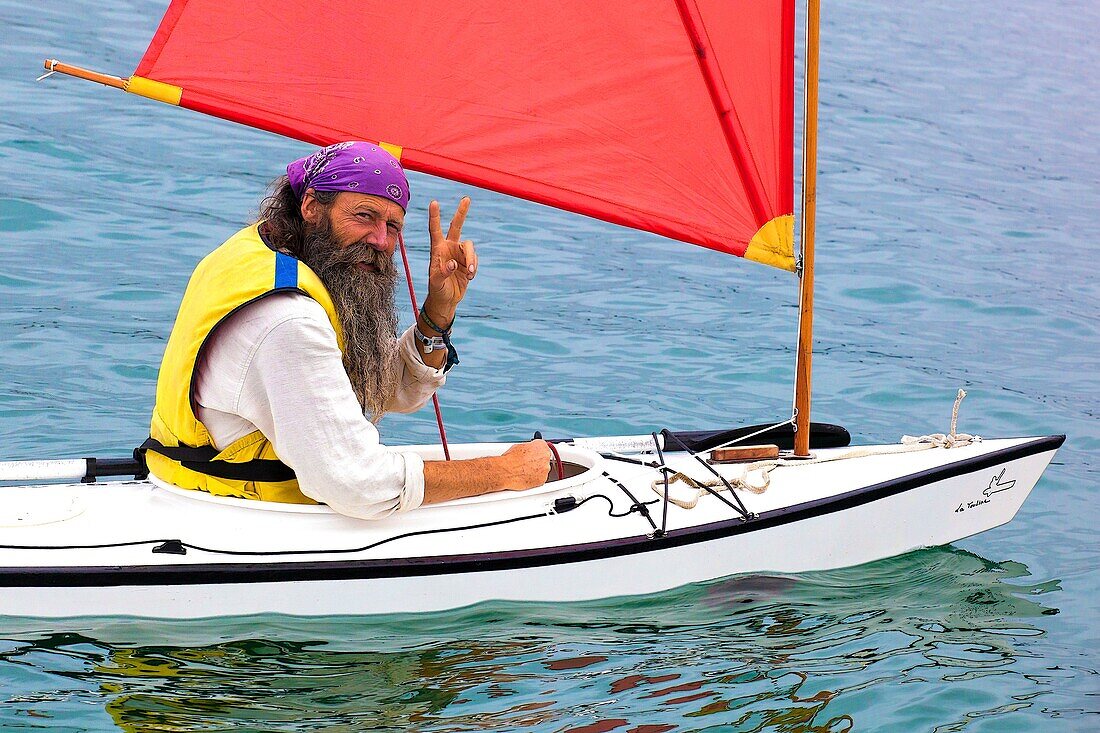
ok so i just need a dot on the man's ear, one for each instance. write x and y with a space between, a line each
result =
311 207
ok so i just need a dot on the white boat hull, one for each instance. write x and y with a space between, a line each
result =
813 517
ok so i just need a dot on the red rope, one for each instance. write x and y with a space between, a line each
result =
416 314
557 460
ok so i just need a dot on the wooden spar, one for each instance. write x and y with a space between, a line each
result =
142 87
809 203
54 65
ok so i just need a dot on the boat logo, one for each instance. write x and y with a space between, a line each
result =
995 484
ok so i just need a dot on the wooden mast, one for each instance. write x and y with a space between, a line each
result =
809 202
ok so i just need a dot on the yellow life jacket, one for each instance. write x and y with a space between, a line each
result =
180 451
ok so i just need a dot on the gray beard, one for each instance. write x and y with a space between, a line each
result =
364 303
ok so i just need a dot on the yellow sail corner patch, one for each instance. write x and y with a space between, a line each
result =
157 90
394 150
773 243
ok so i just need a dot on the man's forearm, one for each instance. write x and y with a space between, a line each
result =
523 466
446 480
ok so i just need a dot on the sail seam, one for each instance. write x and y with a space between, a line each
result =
723 107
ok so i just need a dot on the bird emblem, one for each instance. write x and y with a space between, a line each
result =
995 484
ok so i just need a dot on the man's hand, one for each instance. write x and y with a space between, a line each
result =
527 465
453 264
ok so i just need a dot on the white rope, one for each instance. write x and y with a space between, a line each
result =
51 72
741 482
909 444
952 439
789 421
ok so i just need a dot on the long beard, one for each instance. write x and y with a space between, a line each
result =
364 302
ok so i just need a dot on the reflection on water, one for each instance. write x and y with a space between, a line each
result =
802 653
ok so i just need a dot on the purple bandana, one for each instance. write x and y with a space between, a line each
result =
351 166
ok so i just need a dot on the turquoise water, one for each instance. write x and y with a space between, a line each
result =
957 247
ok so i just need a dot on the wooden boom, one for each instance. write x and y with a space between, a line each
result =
142 87
112 81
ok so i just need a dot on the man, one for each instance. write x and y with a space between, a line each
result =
283 355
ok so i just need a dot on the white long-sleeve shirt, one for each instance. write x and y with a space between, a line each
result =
275 366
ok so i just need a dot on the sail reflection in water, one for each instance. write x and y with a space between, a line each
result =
809 654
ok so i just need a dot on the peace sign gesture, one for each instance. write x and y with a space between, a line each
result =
453 264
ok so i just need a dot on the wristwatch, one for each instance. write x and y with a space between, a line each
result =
430 343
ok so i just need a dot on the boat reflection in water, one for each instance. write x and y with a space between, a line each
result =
760 653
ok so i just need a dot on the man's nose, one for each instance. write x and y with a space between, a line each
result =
378 238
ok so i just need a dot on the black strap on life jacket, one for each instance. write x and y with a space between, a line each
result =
202 460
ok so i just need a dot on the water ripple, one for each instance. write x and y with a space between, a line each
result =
957 206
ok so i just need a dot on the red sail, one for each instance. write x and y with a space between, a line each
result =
671 116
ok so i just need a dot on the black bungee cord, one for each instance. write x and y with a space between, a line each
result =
739 507
664 509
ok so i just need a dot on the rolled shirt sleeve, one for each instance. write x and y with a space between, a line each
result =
416 382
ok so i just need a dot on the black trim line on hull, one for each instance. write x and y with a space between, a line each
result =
225 573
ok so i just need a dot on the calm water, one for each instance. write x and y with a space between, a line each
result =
957 248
